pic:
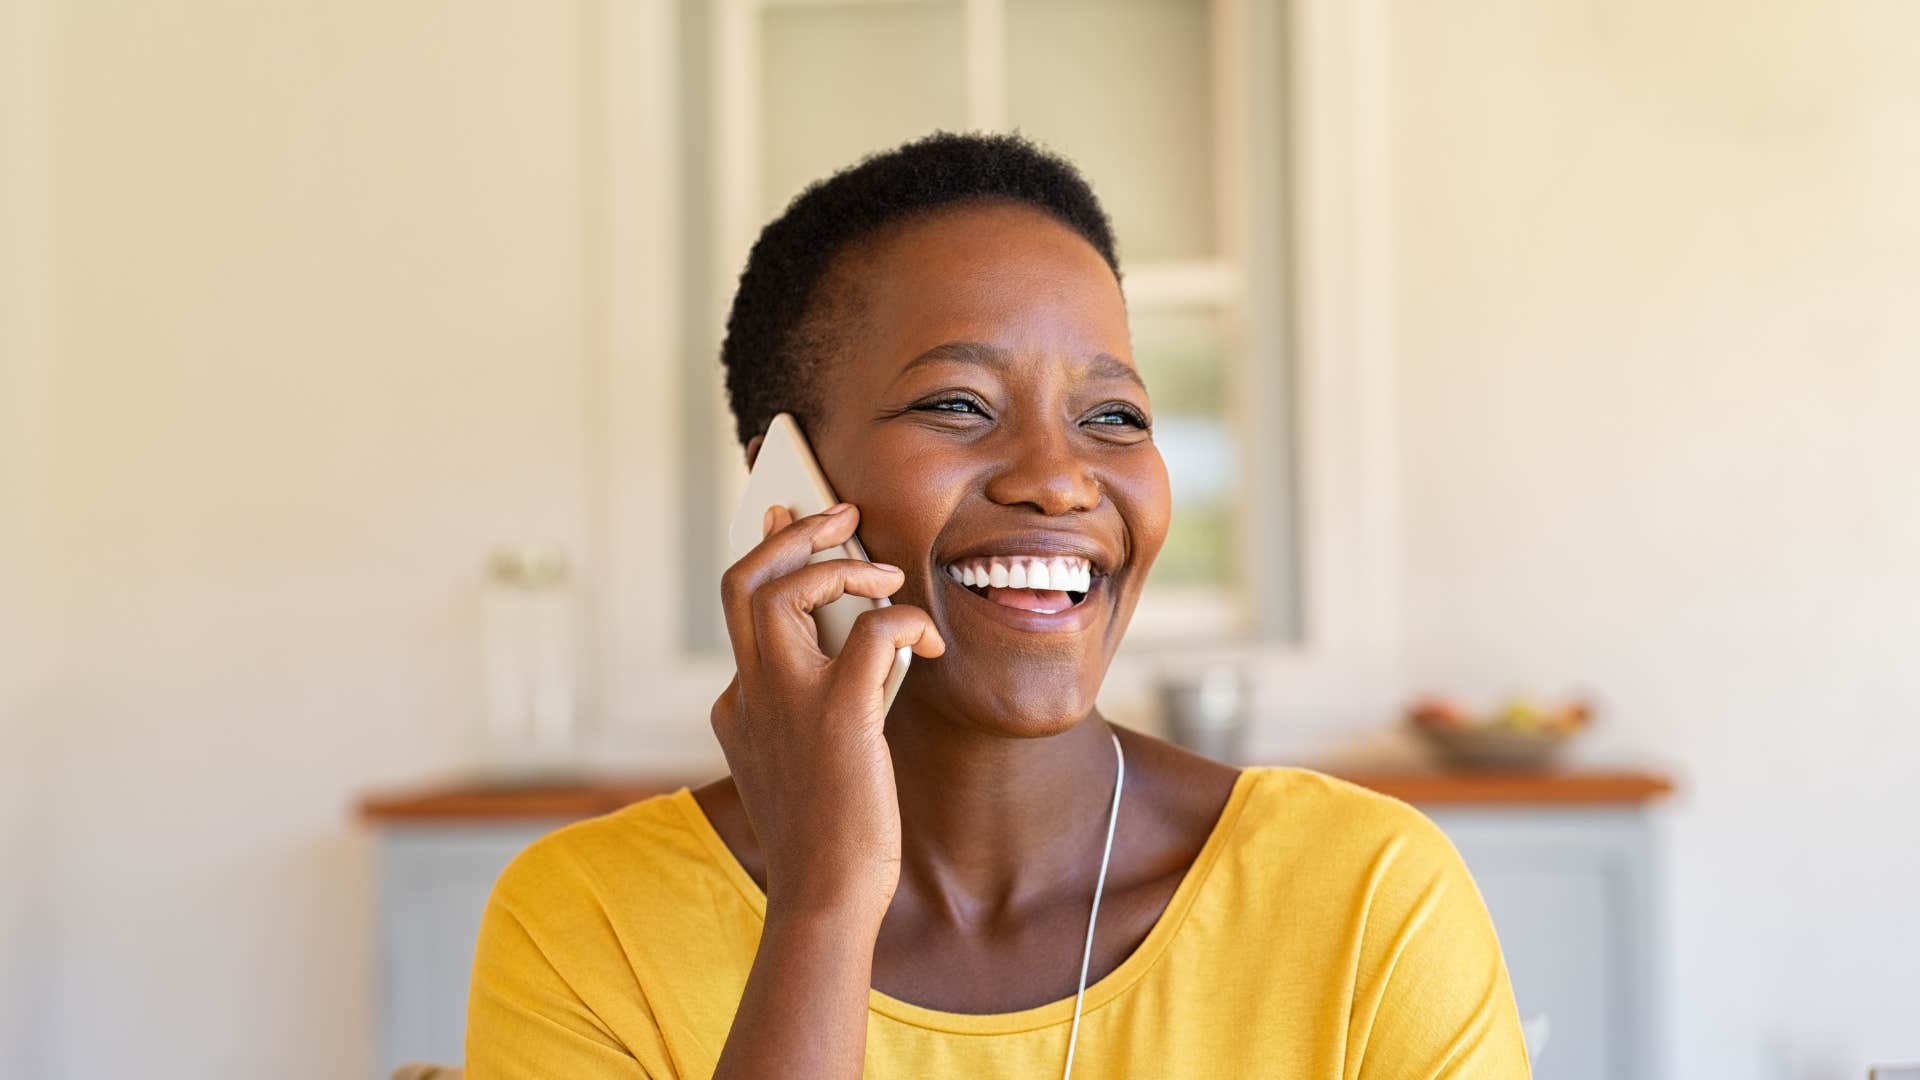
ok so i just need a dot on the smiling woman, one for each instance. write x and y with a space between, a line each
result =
906 891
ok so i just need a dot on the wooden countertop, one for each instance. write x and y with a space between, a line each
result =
568 800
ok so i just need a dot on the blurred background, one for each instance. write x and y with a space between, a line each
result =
361 442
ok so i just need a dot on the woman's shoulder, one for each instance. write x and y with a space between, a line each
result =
1297 790
1300 816
1374 889
588 939
630 852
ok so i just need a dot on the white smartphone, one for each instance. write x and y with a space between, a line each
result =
785 474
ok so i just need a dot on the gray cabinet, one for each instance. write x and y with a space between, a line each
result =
433 883
1571 892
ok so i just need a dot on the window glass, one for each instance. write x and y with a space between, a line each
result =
1125 89
840 81
1183 355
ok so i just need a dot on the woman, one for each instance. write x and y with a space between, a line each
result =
908 891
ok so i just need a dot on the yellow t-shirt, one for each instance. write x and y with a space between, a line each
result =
1325 931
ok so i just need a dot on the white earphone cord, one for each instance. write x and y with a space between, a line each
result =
1086 957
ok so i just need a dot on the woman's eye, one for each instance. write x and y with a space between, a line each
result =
1118 415
962 406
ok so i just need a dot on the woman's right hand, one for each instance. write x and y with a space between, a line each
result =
803 732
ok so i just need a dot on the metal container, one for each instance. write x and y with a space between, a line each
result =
1205 710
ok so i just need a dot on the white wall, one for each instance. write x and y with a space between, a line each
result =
315 319
1659 381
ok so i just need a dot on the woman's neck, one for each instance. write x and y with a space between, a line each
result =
992 824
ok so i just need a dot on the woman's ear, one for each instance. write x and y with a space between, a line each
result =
753 448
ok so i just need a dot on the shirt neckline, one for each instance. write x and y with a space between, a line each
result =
1060 1011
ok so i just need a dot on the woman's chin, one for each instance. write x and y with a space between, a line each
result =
1029 718
1031 727
1014 700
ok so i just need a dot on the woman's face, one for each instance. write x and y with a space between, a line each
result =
985 405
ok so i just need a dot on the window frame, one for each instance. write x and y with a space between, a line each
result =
1328 97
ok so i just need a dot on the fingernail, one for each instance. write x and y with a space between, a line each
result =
766 522
838 508
889 566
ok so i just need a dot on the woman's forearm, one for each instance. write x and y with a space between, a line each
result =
804 1011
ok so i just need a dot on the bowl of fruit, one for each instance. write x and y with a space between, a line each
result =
1521 734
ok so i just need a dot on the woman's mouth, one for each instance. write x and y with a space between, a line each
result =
1042 584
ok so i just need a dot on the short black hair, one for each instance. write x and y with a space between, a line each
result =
788 316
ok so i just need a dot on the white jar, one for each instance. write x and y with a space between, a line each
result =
529 617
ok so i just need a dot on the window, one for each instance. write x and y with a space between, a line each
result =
1279 335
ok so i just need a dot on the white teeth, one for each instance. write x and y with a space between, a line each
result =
1064 572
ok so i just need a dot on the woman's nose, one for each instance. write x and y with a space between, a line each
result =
1045 471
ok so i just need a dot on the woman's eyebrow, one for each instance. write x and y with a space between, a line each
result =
1101 365
1108 366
